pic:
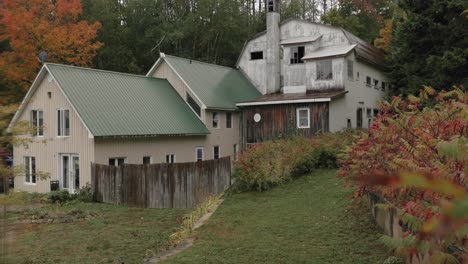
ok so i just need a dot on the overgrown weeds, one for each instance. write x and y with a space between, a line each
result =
271 163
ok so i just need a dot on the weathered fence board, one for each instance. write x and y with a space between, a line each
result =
178 185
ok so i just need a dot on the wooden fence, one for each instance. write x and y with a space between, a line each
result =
178 185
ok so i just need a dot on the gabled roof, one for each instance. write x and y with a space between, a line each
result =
117 104
364 50
217 87
329 51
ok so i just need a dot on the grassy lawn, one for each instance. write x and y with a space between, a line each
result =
311 220
114 234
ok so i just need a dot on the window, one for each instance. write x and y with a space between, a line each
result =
297 53
37 123
63 122
193 104
359 118
200 153
170 158
324 70
146 159
348 123
303 117
215 120
30 169
368 81
216 152
235 151
376 112
228 120
256 55
117 161
369 111
383 86
376 84
350 69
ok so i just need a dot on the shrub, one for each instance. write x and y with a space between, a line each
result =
275 162
393 260
415 157
84 195
59 197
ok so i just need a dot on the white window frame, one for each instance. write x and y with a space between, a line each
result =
202 153
298 117
62 122
215 117
150 159
173 155
29 170
116 159
219 152
37 128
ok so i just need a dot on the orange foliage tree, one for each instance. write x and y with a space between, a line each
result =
31 26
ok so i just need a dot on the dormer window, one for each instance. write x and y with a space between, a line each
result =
297 53
324 70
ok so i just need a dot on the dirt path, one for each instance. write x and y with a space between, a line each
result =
187 243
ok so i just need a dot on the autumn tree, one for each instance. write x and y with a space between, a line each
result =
31 26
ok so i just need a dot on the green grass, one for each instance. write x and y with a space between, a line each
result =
312 220
115 235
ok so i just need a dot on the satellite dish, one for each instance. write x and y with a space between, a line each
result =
43 56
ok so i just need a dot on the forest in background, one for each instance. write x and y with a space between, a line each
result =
425 41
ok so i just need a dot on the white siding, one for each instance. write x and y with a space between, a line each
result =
47 149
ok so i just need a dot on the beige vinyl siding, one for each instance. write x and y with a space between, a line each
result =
183 147
47 149
164 71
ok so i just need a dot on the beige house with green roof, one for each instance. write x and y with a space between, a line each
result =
82 115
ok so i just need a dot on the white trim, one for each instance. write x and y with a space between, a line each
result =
26 99
185 83
68 100
298 119
218 125
292 101
155 65
196 153
171 154
29 170
63 123
116 159
37 127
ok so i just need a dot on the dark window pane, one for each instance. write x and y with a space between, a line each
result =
256 55
228 120
146 160
193 104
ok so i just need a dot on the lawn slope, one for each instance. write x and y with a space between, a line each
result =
311 220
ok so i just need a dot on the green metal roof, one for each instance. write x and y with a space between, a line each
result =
217 87
118 104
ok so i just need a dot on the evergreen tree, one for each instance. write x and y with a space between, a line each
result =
430 46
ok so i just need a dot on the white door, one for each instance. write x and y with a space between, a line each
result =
70 172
